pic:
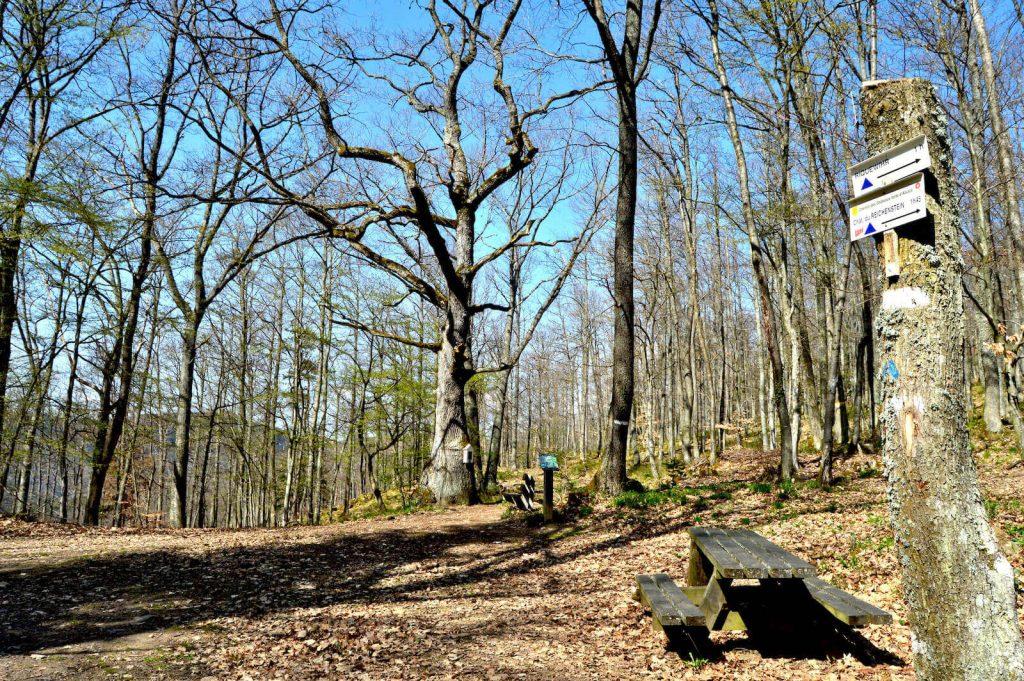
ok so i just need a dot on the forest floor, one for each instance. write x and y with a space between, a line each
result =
466 593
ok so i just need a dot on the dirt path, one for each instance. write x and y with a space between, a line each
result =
461 593
91 603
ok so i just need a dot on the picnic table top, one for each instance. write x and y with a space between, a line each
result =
743 554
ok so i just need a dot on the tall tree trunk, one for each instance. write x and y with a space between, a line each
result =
769 326
613 470
183 422
623 61
1004 153
114 410
69 395
947 549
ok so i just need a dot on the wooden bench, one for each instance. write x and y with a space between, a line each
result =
523 500
670 607
844 606
787 587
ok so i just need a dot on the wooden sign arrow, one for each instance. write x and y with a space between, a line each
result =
895 205
890 166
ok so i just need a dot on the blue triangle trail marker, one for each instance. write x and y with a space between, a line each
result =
867 184
870 230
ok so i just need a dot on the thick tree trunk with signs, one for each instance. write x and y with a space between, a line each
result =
947 550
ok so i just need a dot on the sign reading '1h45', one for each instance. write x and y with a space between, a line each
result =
898 204
892 165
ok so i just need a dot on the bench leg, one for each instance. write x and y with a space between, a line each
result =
714 605
691 642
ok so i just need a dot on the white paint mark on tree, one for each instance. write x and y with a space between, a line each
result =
905 298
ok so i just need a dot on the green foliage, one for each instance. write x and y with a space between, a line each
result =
867 472
1016 533
991 508
696 662
852 560
650 498
759 487
786 489
396 501
510 512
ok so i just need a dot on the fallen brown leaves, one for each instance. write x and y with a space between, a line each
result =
457 594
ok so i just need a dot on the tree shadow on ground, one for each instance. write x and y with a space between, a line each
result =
105 598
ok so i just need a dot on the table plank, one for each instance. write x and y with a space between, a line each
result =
777 567
690 614
726 564
782 563
744 554
664 613
750 555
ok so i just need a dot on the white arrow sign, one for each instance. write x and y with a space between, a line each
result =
899 204
890 166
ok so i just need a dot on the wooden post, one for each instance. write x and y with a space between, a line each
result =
699 569
467 460
549 495
891 253
958 585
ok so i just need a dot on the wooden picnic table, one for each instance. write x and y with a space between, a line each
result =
718 556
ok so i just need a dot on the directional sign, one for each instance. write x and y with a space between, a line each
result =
898 204
890 166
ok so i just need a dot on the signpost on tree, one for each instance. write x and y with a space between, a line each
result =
958 585
888 208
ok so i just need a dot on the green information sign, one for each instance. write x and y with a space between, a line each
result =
549 462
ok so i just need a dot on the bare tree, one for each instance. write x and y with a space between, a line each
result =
431 85
628 61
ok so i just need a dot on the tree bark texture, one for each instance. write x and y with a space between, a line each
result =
957 583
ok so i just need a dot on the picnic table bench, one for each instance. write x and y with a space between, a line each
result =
718 556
